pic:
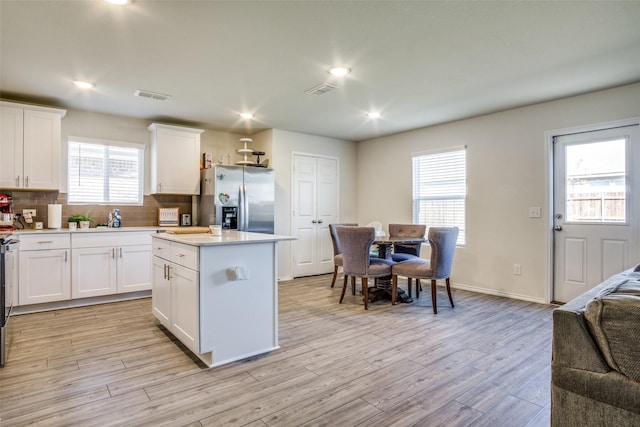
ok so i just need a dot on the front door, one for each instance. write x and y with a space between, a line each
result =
596 208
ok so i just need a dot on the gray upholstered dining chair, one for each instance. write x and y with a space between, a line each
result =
406 251
356 262
337 250
443 247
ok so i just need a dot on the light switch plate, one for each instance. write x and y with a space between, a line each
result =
534 212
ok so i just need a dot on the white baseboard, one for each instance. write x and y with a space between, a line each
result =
498 293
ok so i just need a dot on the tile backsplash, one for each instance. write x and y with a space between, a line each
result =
132 216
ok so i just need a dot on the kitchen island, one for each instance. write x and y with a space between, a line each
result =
218 294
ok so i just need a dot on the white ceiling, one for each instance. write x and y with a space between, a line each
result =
419 62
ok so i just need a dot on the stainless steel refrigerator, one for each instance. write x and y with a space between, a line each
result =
237 197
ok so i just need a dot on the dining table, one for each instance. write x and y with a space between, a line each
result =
382 288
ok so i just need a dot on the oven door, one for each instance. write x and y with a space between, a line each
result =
9 259
8 262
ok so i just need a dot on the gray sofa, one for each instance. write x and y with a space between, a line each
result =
595 368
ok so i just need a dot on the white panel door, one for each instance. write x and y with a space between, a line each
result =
315 206
41 150
596 208
161 293
93 272
134 268
44 276
11 147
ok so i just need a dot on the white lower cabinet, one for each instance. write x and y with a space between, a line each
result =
109 263
44 266
62 266
93 272
175 295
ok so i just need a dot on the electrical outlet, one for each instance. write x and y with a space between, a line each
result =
517 270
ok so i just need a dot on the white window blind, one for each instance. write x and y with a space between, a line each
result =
440 189
105 172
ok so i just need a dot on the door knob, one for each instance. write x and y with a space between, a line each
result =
557 227
319 221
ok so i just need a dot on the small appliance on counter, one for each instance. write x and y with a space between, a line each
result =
6 215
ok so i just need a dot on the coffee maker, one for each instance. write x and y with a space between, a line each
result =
6 214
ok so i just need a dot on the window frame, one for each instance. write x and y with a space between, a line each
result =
107 143
437 195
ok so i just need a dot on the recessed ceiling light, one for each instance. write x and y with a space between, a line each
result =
246 116
339 71
83 85
119 2
374 114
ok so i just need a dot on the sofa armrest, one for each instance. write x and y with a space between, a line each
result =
573 346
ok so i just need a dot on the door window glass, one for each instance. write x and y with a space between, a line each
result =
596 182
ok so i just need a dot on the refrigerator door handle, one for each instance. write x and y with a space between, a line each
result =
242 209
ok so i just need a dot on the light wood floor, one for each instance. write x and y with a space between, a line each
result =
484 362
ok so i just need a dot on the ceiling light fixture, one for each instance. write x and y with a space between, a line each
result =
339 71
83 85
119 2
374 114
246 116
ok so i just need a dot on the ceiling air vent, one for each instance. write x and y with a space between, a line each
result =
321 89
151 95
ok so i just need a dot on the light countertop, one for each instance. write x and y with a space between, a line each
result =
87 230
228 237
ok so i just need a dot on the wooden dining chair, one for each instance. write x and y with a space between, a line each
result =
337 250
356 262
443 246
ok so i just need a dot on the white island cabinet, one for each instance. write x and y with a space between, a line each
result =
218 294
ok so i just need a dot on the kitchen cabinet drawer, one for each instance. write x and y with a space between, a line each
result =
38 242
162 249
184 255
82 239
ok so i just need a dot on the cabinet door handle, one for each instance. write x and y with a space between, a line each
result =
113 252
18 181
164 271
319 221
26 182
65 256
168 272
41 242
120 252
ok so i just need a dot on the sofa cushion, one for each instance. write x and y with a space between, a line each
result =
613 318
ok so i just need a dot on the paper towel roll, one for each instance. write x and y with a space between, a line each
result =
54 216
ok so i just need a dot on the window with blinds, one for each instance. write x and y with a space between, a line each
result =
440 189
105 172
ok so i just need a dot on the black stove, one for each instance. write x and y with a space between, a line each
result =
8 262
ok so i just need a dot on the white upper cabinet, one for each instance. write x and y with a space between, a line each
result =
30 146
175 159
